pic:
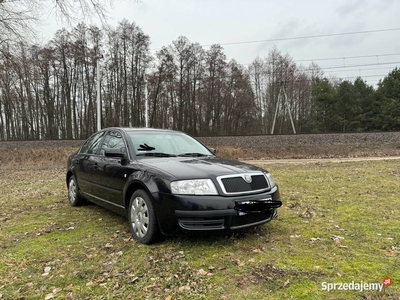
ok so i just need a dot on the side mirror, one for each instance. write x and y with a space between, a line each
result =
115 152
213 151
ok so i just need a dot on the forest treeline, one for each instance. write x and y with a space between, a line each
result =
49 92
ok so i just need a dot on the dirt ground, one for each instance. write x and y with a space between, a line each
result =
319 160
253 149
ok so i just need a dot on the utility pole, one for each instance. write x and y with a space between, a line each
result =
98 92
290 114
146 99
285 101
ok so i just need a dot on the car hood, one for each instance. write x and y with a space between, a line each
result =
203 167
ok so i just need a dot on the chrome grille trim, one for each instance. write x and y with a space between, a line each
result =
241 175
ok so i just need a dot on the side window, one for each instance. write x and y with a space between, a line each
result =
86 145
113 140
92 144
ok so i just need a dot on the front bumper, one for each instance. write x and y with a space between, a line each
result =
186 213
224 220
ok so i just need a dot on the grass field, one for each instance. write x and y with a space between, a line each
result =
339 223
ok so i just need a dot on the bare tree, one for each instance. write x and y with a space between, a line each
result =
19 18
48 92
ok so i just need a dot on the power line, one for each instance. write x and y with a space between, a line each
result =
349 57
307 37
340 58
359 65
352 77
349 68
235 76
332 58
340 68
336 67
369 69
298 37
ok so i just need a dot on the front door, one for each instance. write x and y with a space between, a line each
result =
109 178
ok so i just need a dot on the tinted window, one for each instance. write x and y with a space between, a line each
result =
92 144
113 140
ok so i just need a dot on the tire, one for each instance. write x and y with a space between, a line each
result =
142 218
74 196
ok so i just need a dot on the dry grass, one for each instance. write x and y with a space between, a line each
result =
308 151
47 155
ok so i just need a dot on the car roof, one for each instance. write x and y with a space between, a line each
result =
130 129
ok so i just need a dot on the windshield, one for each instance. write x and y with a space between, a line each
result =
166 144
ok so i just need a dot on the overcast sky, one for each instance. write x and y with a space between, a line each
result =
229 21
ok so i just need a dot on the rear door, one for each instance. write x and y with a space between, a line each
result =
85 163
108 176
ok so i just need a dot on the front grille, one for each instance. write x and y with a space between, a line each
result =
237 185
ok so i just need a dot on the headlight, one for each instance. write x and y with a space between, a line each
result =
270 179
194 187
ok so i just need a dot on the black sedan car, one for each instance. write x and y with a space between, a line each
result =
167 182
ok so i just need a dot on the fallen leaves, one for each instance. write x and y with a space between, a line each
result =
53 294
279 276
339 228
152 287
184 288
391 251
80 274
286 283
309 212
46 271
90 283
201 272
293 205
185 279
108 246
4 217
238 262
338 240
312 240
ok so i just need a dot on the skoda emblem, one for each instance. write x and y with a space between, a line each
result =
247 178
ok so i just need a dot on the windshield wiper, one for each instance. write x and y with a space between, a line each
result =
192 154
156 154
145 147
